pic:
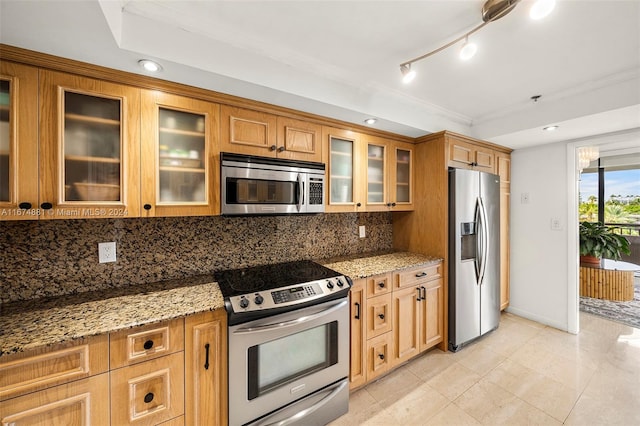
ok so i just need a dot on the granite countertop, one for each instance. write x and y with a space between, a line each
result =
367 265
29 324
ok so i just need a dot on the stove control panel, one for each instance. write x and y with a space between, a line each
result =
287 296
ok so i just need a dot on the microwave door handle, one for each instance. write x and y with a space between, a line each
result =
300 192
297 321
335 390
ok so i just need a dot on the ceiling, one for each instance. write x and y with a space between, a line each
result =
341 58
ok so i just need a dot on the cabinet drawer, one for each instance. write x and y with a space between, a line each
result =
379 284
379 353
52 365
147 342
148 393
414 276
83 402
378 316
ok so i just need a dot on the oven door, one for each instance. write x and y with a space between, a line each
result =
259 191
278 360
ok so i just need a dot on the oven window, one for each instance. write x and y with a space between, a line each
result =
289 358
258 191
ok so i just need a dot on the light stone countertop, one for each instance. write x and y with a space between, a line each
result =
29 324
367 265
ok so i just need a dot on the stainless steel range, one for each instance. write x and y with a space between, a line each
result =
288 343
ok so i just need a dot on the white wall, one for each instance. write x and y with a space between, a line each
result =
544 262
539 265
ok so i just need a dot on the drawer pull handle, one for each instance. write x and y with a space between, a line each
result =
381 356
206 357
357 310
421 274
148 344
381 284
148 397
381 316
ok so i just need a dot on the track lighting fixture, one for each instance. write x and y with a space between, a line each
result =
491 11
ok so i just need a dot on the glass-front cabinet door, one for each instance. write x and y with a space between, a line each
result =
341 157
18 142
89 158
402 176
178 146
377 194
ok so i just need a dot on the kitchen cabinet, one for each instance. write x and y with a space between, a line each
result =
65 383
18 142
245 131
358 338
206 368
345 171
418 309
465 155
503 161
89 147
180 175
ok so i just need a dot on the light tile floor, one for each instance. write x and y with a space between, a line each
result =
524 373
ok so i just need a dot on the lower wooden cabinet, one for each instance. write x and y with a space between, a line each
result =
394 317
82 402
170 373
206 368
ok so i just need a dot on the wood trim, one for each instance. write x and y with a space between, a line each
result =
56 63
447 133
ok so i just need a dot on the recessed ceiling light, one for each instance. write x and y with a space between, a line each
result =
371 120
550 128
150 65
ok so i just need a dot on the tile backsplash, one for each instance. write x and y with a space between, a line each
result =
54 258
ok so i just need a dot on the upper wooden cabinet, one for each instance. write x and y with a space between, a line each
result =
179 150
345 170
469 156
401 176
89 148
250 132
18 142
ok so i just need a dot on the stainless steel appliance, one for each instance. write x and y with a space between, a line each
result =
259 185
474 255
288 343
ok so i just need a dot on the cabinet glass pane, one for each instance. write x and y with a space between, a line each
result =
181 151
91 148
375 174
341 169
5 134
403 175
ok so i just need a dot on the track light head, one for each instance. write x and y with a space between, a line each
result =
407 73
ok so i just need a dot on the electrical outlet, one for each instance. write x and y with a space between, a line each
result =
362 231
556 224
107 252
524 198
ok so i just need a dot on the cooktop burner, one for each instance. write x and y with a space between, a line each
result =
235 282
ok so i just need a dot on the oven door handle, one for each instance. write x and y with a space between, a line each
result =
297 321
304 413
300 192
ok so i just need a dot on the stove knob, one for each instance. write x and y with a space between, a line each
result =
259 299
244 303
339 282
329 285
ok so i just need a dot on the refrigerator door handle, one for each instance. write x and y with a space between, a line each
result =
478 260
484 239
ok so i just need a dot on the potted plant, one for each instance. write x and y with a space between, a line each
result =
598 241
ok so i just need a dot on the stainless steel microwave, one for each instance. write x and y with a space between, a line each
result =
252 185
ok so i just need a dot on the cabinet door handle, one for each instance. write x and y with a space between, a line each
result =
359 205
148 397
206 357
421 274
381 316
147 207
24 206
424 293
381 356
393 204
419 294
381 284
357 310
272 148
281 149
46 206
148 344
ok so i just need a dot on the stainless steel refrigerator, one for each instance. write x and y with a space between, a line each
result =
474 255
